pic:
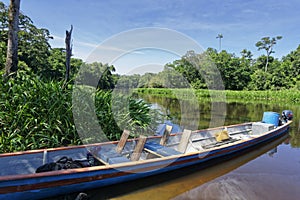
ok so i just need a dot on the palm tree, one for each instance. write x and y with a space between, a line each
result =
267 44
220 36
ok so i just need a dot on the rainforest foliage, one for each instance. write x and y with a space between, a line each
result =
36 108
237 72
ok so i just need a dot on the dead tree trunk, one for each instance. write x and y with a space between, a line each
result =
68 53
11 65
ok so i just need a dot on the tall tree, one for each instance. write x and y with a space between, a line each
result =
3 34
267 44
33 46
12 43
220 36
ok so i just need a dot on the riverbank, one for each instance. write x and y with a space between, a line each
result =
286 96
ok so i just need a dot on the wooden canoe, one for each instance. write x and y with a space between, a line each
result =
138 158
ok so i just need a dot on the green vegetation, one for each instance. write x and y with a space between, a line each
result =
287 96
267 44
36 110
37 113
237 73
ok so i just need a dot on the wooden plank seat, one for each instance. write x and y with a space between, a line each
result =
108 154
159 149
112 154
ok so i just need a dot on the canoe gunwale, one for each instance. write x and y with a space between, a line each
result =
128 164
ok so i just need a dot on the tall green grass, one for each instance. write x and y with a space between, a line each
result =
288 96
37 113
291 96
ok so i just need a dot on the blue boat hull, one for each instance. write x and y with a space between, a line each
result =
76 180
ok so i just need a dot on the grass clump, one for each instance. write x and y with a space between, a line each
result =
37 113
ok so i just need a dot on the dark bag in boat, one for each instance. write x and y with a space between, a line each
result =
63 163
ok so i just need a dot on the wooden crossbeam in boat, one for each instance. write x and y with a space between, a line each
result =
101 161
45 156
241 131
184 140
138 148
166 135
151 153
122 141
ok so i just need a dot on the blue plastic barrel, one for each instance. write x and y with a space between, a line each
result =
271 118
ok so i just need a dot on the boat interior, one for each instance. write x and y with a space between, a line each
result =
128 150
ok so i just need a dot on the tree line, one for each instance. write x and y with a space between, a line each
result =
237 72
241 72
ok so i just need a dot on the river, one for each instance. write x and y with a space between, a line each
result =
270 172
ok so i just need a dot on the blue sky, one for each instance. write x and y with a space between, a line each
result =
241 22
